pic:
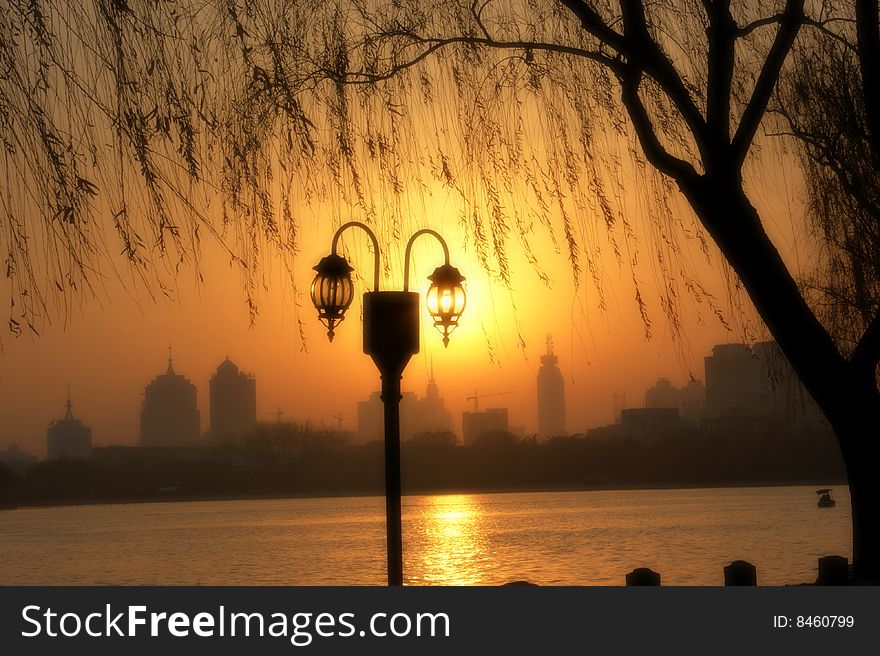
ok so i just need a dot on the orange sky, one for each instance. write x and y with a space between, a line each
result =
108 350
114 346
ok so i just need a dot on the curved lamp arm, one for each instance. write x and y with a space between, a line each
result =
426 231
372 235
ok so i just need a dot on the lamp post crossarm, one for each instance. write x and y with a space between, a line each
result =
425 231
375 241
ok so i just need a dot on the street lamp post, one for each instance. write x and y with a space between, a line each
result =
391 338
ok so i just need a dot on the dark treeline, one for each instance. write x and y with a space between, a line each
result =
298 461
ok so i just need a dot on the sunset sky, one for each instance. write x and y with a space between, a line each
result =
109 347
114 345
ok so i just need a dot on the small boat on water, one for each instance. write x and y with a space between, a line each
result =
825 499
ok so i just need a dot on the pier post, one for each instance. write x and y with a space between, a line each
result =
833 570
740 572
643 576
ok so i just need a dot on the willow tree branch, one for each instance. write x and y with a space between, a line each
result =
663 160
789 25
868 43
433 45
646 53
593 23
722 37
639 48
747 29
477 12
823 152
821 26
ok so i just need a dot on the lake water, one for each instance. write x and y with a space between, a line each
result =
550 538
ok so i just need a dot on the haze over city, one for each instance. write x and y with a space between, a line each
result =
109 348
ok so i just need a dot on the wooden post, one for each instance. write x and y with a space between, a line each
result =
740 572
643 576
833 570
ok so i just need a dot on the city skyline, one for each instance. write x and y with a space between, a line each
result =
107 348
689 400
27 401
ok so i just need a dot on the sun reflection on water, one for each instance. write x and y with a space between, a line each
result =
452 543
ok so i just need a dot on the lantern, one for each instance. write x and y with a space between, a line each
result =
332 290
446 299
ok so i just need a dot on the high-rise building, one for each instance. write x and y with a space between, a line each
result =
68 437
169 414
688 400
551 395
371 417
233 403
477 423
431 413
757 385
734 385
417 415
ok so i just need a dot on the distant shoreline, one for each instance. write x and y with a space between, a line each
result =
44 503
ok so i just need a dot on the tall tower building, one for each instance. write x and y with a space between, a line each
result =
169 414
233 403
431 413
68 438
551 395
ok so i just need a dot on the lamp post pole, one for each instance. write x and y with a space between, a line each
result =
391 338
394 529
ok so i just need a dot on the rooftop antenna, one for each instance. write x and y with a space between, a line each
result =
69 405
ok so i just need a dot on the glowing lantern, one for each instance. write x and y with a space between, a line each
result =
446 299
332 290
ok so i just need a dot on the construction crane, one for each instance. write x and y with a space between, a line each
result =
476 397
278 414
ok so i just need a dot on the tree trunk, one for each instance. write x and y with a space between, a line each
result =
849 399
856 428
864 492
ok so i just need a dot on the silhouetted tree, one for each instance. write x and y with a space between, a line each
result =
525 108
438 439
499 439
830 102
9 481
828 115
